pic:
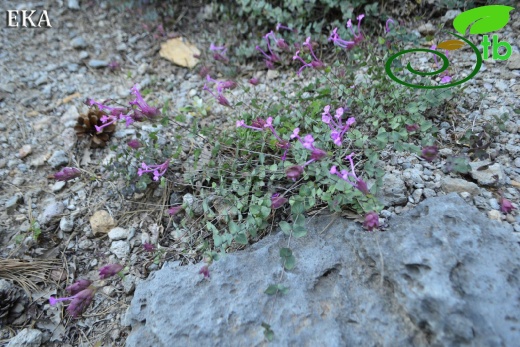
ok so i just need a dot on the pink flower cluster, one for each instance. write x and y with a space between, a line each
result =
338 129
137 112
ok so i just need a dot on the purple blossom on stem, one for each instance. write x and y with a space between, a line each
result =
505 205
260 125
280 26
412 127
254 81
143 107
345 174
308 143
429 153
109 270
358 37
134 143
67 173
219 57
314 64
338 129
214 48
148 247
174 210
221 99
204 271
158 170
294 172
387 25
338 41
114 111
114 65
78 302
371 221
277 201
106 120
78 286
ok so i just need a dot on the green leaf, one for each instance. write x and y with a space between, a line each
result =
290 262
241 239
268 332
271 290
299 231
483 19
286 228
285 252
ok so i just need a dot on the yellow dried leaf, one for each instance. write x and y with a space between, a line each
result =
179 51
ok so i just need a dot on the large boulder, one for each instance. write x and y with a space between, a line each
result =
442 275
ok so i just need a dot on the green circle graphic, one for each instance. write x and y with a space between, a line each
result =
443 68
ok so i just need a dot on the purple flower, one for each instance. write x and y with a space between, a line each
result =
148 247
260 124
505 205
78 286
294 172
358 37
204 271
158 170
78 302
109 270
429 153
67 173
254 81
114 65
344 175
387 24
446 79
314 64
336 40
114 111
280 26
412 127
135 144
371 221
221 99
308 143
214 48
143 107
336 124
277 201
174 210
220 57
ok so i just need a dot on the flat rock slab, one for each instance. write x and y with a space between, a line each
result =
442 275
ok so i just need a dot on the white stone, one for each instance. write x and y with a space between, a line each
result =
121 249
117 234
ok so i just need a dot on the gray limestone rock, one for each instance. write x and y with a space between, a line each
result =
487 174
458 185
27 338
442 275
393 191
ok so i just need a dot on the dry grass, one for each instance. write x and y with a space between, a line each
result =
26 273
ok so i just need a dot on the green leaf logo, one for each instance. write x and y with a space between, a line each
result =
483 19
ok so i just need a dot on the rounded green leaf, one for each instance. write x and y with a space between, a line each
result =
483 19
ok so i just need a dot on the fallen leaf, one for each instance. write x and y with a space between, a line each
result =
515 184
179 51
451 45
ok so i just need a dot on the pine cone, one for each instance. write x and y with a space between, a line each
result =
12 302
86 127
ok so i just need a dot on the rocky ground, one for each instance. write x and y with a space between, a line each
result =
46 74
